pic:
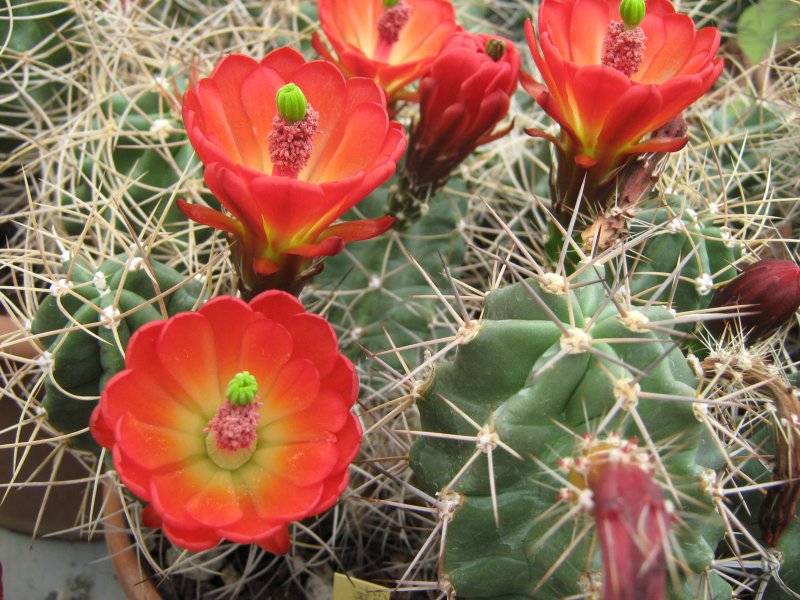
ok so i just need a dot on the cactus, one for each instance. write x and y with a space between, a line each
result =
552 359
372 285
673 234
38 42
148 158
86 322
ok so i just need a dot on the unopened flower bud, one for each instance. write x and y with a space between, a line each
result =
632 12
242 388
291 103
767 294
495 49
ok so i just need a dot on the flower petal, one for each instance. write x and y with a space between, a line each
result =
294 389
151 447
186 349
216 504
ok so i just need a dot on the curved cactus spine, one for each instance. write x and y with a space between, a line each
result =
87 321
552 359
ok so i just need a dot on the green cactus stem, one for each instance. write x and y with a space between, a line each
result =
86 322
553 360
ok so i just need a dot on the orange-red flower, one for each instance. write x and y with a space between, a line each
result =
218 458
465 95
393 45
281 217
607 91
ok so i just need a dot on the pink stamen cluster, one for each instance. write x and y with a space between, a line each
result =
234 425
392 21
623 49
291 144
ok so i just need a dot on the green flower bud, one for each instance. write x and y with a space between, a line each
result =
632 12
291 103
242 388
389 3
495 49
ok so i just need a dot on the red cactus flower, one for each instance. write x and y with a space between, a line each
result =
767 294
465 95
285 182
391 42
232 421
632 522
609 86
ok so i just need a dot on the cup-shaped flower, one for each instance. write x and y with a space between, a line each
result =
766 294
284 183
609 86
232 421
392 44
462 99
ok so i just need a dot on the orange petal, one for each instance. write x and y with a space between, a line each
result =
277 305
186 349
251 528
258 99
284 61
587 30
343 379
194 539
332 490
137 392
265 349
170 491
314 340
230 319
354 231
325 89
217 503
151 447
277 542
303 464
361 143
275 498
229 76
294 389
136 479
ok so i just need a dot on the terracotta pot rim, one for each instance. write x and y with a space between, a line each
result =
133 576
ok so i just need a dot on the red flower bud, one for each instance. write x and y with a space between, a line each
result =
632 522
766 294
463 98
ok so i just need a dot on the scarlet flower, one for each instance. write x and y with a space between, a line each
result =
609 86
465 95
285 183
232 421
394 45
767 294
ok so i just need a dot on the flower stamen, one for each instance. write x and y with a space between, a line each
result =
232 432
392 22
293 128
623 48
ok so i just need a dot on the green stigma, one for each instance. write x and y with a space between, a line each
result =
242 389
495 49
632 12
389 3
291 103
